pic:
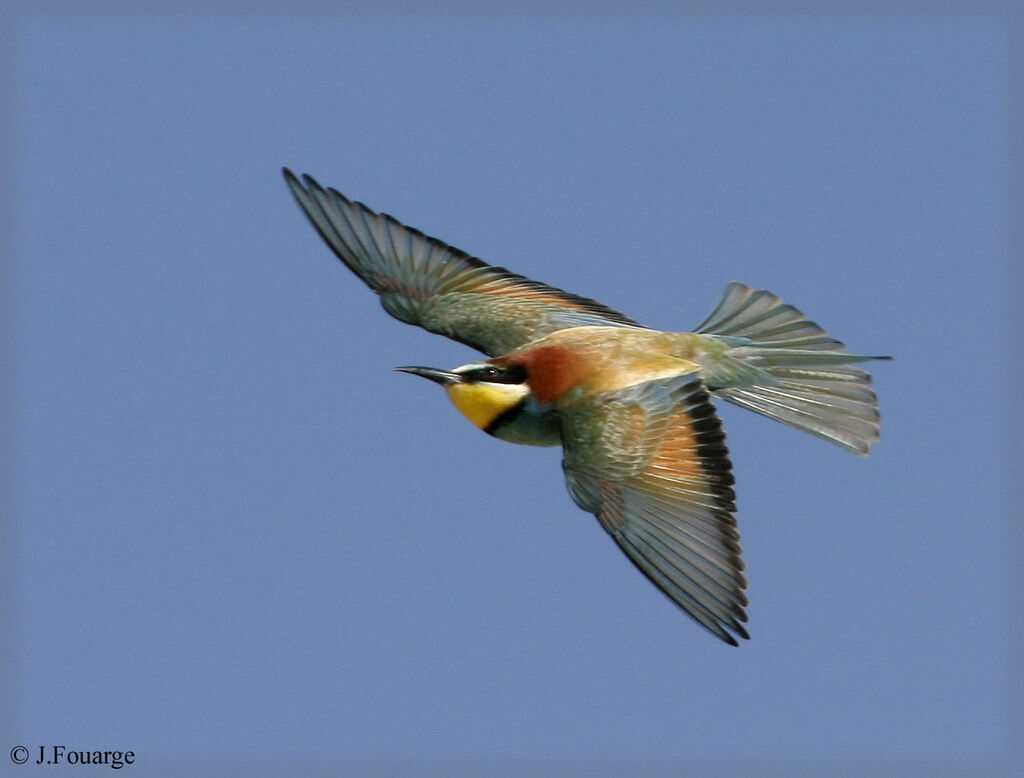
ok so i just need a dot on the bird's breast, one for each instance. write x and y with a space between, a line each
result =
529 423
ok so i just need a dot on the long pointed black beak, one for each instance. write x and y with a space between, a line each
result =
443 377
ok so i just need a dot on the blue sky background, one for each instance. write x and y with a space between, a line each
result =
235 540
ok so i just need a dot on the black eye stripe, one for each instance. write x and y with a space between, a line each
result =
494 374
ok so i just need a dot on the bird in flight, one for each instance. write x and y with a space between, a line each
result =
643 448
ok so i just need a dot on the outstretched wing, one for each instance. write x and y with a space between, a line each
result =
650 462
425 282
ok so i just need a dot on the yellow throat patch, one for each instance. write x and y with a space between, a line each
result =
482 403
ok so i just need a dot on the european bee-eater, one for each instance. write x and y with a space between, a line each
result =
644 450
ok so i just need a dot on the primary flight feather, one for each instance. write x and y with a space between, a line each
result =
644 450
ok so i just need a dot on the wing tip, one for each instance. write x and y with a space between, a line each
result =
732 629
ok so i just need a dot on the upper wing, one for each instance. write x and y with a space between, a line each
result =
425 282
650 462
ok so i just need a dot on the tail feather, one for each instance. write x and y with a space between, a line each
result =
855 430
782 365
762 317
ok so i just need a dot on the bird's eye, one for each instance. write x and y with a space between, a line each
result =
496 374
